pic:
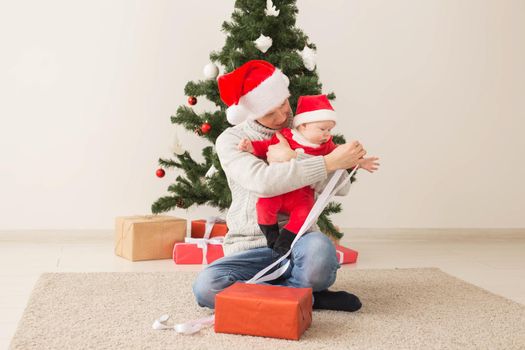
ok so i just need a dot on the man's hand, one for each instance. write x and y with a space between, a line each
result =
245 145
345 156
280 152
369 164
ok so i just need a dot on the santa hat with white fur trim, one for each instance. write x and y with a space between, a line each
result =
252 90
313 108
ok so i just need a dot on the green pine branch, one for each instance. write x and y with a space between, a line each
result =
206 88
325 223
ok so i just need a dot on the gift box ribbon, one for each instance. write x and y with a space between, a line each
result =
341 256
203 242
210 221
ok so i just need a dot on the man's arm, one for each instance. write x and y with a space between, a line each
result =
321 184
265 180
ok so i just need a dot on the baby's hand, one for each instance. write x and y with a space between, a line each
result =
245 145
369 164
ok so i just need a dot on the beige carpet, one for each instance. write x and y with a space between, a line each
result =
403 309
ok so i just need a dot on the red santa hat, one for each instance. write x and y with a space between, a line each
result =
252 90
313 108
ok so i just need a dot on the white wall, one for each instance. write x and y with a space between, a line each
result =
435 88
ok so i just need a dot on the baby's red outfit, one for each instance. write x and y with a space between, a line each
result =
297 203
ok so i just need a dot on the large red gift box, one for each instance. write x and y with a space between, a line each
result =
263 310
198 229
193 253
345 255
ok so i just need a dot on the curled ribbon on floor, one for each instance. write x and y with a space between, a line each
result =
185 328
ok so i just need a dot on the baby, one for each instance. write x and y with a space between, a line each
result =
313 124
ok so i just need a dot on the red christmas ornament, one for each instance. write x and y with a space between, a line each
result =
205 128
160 172
192 100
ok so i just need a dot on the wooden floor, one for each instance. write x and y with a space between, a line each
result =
492 259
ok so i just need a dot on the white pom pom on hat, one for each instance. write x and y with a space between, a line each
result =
236 114
252 90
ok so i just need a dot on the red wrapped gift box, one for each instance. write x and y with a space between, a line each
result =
198 228
192 253
345 255
263 310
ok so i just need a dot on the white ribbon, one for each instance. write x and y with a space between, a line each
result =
161 323
185 328
203 244
195 325
210 221
341 256
329 191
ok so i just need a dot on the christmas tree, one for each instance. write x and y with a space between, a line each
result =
258 29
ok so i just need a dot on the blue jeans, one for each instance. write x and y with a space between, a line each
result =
313 265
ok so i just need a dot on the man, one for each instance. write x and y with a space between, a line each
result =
257 95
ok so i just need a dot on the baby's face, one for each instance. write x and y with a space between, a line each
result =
317 132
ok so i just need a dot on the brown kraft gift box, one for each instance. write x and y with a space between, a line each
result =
150 237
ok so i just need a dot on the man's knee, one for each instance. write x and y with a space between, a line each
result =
207 284
317 258
316 246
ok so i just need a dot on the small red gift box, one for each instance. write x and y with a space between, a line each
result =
263 310
193 253
345 255
198 228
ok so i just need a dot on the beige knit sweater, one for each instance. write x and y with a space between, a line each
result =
250 177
